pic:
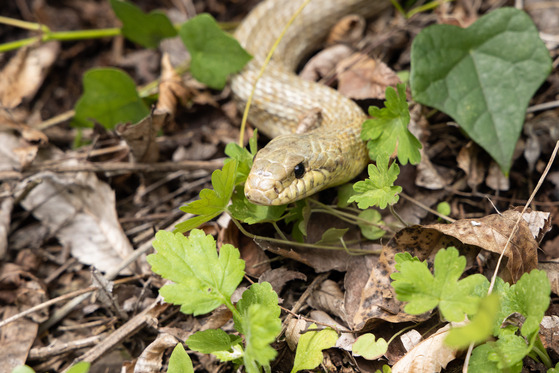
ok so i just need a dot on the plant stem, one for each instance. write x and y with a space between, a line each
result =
393 212
293 243
23 24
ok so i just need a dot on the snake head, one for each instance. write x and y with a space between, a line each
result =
292 167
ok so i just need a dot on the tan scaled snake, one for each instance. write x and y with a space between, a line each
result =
293 166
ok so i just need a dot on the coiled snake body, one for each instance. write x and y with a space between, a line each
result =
293 166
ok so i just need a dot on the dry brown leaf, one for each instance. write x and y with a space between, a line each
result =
278 277
492 232
329 298
151 359
496 180
469 162
348 30
431 355
549 329
324 62
551 268
23 75
80 210
361 77
141 137
17 339
171 88
293 332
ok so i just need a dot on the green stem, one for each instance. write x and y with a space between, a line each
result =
393 212
350 218
539 349
233 309
23 24
296 244
425 7
280 233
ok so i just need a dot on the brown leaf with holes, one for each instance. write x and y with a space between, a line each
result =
492 232
361 77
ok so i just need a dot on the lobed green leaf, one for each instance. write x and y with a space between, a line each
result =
309 349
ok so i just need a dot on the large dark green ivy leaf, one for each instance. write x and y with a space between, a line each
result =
145 29
215 54
482 76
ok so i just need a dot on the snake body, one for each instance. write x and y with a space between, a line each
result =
293 166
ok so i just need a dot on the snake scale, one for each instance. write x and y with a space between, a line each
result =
293 166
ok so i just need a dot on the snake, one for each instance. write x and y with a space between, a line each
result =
293 165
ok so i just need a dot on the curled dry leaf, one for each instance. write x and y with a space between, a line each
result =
324 63
492 232
141 137
293 332
361 77
329 298
151 358
80 210
23 75
348 30
171 88
469 162
430 355
496 180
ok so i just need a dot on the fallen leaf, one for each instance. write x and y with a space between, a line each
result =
80 210
324 62
430 355
469 162
141 137
22 77
171 88
278 277
151 358
348 30
329 298
496 180
361 77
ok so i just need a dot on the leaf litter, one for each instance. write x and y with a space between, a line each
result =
55 226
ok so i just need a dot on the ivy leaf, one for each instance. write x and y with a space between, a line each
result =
482 76
369 347
109 97
309 350
378 189
180 362
145 29
202 280
211 202
415 284
260 323
215 341
481 326
243 157
215 54
387 132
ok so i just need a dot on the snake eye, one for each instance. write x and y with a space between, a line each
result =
299 170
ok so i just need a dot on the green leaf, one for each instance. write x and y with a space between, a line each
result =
532 292
554 370
309 350
260 323
299 216
215 54
180 362
482 76
23 369
481 326
81 367
508 351
415 284
388 132
242 209
443 208
109 97
145 29
370 231
370 348
215 341
202 280
211 202
480 363
332 237
378 189
243 157
530 296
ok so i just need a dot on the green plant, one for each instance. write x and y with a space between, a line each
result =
204 280
515 338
